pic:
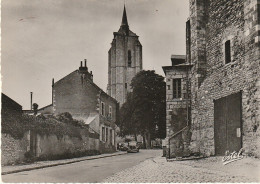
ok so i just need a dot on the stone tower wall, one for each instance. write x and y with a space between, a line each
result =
120 75
237 21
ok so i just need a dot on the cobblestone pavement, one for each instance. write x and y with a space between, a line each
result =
205 170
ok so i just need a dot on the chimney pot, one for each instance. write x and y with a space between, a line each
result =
31 100
85 62
80 63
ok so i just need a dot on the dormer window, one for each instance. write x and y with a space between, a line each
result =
129 58
227 52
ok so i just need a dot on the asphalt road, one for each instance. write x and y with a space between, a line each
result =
89 171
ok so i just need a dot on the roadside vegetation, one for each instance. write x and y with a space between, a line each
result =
144 112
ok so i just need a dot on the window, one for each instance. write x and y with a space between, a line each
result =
227 52
176 88
103 108
110 112
168 87
111 137
129 59
103 133
125 86
106 134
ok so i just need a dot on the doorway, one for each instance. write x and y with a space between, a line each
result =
228 124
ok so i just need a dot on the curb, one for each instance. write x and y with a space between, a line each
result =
57 164
184 159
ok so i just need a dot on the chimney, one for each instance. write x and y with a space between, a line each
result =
31 100
80 63
85 62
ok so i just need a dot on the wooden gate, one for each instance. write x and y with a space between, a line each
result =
227 124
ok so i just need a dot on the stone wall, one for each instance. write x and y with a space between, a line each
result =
238 22
81 97
52 145
177 128
120 74
13 150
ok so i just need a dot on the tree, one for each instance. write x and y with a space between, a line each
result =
126 121
35 108
144 110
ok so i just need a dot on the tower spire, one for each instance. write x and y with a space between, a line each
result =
124 19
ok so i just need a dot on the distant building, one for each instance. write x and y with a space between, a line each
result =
10 107
124 61
222 49
77 94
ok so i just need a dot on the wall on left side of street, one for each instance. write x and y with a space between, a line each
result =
12 150
52 145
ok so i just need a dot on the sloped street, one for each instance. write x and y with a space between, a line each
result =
88 171
205 170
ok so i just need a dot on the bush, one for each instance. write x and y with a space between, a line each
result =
62 124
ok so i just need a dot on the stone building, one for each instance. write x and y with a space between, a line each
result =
178 106
77 94
10 107
223 48
124 61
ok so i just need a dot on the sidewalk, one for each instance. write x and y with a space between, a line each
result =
42 164
211 169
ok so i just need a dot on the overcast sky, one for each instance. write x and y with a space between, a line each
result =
45 39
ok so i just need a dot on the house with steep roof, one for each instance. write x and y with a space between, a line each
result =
77 94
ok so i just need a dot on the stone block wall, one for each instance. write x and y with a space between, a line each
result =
12 150
177 138
119 73
52 145
237 21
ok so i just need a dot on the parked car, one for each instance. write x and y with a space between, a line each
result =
123 147
133 147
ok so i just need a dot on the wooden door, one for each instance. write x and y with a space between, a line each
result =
227 124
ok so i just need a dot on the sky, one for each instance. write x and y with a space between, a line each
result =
45 39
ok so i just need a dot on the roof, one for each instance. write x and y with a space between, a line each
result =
178 56
124 19
7 98
45 107
91 82
183 65
178 59
90 119
124 28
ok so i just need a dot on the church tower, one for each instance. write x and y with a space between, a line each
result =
124 61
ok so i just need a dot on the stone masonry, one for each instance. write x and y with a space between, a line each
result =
222 52
77 94
212 23
124 61
177 108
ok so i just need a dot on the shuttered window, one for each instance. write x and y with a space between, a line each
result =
176 88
